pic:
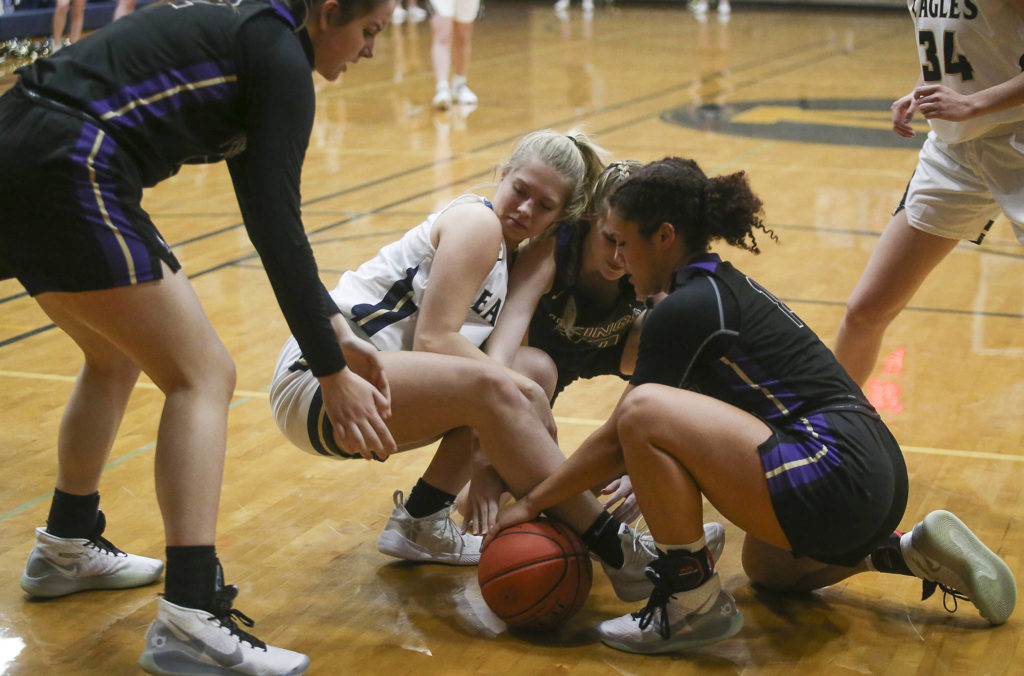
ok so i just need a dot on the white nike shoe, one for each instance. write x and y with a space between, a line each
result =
190 641
674 621
433 539
942 551
442 96
60 566
631 582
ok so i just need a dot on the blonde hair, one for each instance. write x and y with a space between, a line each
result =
572 155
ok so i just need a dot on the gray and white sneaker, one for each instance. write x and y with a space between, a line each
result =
60 566
942 551
190 641
675 621
638 550
434 538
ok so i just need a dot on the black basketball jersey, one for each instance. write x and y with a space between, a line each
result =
196 82
570 331
724 335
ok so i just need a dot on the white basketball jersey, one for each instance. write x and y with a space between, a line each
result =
384 294
969 45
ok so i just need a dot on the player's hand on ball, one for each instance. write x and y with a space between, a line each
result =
519 511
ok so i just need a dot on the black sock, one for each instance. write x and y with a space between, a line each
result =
193 576
681 570
602 538
72 516
888 557
425 500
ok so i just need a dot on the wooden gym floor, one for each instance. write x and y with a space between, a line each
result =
297 533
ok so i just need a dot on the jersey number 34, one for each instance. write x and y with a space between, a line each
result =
952 63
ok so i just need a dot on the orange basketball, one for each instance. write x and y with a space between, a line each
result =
535 575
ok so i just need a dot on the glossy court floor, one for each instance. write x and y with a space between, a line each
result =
799 99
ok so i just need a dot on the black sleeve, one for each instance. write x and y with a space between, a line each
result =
280 104
696 323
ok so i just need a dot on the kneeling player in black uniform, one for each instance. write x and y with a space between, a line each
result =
735 399
81 134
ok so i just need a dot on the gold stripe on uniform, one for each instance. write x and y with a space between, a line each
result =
166 93
90 164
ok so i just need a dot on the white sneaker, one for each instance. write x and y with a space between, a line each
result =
189 641
398 16
678 621
700 7
463 95
434 538
561 5
442 96
416 14
588 5
59 566
724 8
943 552
631 582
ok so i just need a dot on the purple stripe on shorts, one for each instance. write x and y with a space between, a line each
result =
800 448
117 259
164 82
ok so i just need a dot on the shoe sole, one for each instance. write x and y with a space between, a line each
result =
729 629
50 587
393 544
183 665
943 535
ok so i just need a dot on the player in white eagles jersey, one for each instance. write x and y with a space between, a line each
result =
971 168
383 297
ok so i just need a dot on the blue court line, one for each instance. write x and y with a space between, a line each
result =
113 463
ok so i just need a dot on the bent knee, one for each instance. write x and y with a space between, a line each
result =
635 413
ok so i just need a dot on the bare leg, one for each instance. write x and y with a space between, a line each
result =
60 19
679 445
77 20
902 259
95 408
123 7
161 327
462 46
441 49
432 394
778 569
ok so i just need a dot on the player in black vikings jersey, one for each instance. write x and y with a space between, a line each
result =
735 399
81 134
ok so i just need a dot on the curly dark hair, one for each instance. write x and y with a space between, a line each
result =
701 209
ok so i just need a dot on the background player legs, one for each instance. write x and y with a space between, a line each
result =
902 259
462 46
161 327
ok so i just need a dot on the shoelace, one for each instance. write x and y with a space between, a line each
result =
100 543
658 602
223 612
928 588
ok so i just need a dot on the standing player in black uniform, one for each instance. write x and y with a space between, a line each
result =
81 134
735 399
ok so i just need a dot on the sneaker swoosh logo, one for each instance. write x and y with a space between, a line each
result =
72 569
231 659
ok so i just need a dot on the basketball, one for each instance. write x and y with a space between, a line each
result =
535 575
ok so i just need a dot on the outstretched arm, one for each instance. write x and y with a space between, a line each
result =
596 462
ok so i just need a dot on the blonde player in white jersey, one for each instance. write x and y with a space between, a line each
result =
971 168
